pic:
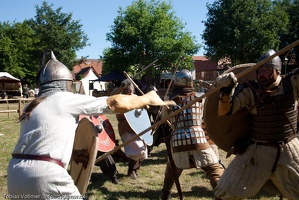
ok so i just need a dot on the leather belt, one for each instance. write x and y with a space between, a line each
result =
36 157
274 143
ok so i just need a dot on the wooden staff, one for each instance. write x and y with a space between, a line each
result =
168 88
217 88
134 84
145 68
173 75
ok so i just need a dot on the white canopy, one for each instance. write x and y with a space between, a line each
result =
100 86
6 75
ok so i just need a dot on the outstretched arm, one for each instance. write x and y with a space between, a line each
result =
122 103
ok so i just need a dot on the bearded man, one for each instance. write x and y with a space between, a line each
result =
271 153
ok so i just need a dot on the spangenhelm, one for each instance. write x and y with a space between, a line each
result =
275 63
183 78
54 71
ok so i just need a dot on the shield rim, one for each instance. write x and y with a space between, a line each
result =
84 174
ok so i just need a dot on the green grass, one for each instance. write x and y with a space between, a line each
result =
147 186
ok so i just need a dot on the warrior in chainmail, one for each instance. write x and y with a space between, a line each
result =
271 152
189 145
38 168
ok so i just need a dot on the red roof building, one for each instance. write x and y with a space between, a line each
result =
96 64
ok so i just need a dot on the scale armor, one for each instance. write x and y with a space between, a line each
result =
188 134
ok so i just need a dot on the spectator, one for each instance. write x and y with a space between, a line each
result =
36 90
4 96
25 91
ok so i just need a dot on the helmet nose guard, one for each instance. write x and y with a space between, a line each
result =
53 70
275 63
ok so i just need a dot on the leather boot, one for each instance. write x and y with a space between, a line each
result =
115 180
132 169
166 195
132 174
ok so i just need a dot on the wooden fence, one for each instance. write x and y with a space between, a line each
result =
13 105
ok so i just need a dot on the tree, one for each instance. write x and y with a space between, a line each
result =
21 44
144 32
17 43
291 7
57 31
243 29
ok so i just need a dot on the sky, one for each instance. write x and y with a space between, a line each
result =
97 17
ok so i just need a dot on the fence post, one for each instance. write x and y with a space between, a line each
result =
7 109
20 110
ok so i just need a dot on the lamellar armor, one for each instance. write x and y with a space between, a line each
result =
276 118
187 132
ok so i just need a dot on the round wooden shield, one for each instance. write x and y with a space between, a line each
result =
226 130
139 120
85 141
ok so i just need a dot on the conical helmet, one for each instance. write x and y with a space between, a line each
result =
53 71
274 63
183 78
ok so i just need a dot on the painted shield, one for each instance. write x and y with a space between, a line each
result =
85 147
139 120
106 136
226 130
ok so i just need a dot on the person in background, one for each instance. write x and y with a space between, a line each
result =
20 89
39 162
4 96
25 91
188 143
136 150
270 153
36 90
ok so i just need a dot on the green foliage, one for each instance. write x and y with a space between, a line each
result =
16 49
243 29
146 31
21 44
56 30
291 7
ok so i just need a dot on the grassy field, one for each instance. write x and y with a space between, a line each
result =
147 186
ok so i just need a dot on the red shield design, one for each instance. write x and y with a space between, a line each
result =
106 138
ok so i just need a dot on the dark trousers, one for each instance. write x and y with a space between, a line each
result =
107 165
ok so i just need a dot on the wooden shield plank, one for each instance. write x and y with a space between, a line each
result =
85 139
138 120
226 130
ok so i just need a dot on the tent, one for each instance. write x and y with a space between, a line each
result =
112 76
6 77
9 84
86 86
